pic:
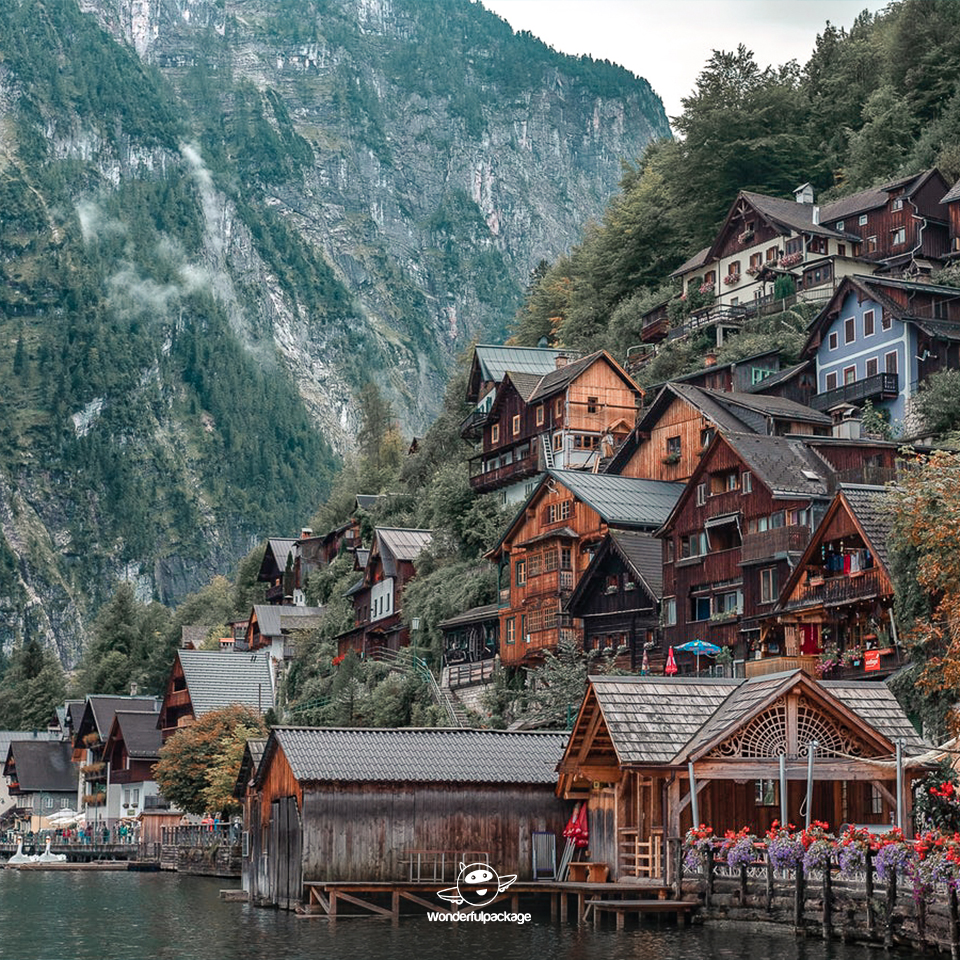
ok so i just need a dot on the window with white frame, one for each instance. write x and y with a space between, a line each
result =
898 236
669 611
850 374
873 367
768 585
890 362
833 341
863 220
869 323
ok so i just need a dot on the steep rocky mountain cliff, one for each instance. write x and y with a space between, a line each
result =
219 220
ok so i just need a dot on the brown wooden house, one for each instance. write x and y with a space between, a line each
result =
276 568
378 596
271 627
358 805
618 599
634 739
566 419
748 509
836 607
672 435
131 749
205 680
550 543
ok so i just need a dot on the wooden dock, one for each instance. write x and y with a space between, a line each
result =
96 865
392 899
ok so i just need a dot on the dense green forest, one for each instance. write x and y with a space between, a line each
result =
871 103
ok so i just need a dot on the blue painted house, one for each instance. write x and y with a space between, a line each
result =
878 339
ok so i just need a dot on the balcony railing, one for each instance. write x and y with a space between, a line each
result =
837 590
473 423
550 583
771 543
489 479
882 386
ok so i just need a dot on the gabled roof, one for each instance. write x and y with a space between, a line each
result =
649 719
785 465
622 501
875 197
640 553
249 764
219 678
399 544
871 509
952 194
774 380
43 765
8 736
561 377
660 721
139 732
777 408
99 711
492 362
367 501
753 696
699 259
274 620
524 383
490 611
435 755
275 556
875 288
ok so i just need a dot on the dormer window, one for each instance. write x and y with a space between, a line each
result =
897 204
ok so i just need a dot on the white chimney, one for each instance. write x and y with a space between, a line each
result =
815 213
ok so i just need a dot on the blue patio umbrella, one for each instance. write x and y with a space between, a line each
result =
700 648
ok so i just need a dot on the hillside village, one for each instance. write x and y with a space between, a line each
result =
730 524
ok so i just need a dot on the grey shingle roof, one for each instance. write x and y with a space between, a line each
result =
219 678
952 194
790 214
876 704
869 199
403 544
873 509
44 765
367 501
776 379
622 501
420 755
273 620
779 463
651 718
659 720
490 611
526 383
560 377
496 361
100 709
777 407
140 733
644 554
697 260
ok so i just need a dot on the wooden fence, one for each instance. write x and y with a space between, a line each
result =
886 910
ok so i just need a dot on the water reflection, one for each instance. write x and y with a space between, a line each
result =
129 916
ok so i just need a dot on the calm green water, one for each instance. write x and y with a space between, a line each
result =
116 916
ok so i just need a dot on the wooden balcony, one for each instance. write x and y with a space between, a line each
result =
552 584
772 543
484 480
768 665
178 698
882 386
839 590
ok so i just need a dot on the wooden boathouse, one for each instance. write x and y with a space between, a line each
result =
636 739
395 805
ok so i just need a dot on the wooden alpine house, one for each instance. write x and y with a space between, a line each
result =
637 740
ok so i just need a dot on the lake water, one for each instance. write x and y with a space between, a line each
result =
116 916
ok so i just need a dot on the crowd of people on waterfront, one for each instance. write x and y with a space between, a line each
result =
123 833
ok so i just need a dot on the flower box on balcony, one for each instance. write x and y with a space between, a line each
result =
790 260
815 581
671 458
745 236
731 278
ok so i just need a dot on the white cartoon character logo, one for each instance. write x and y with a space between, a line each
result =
477 885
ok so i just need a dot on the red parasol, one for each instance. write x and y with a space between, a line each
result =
576 829
671 668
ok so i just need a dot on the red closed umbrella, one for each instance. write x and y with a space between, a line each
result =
671 668
577 829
